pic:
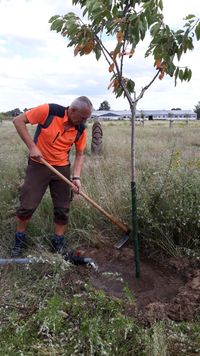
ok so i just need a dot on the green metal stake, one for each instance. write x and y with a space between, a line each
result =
135 230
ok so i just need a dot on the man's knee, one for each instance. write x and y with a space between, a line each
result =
24 214
61 216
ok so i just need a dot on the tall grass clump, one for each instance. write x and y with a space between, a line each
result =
168 206
168 164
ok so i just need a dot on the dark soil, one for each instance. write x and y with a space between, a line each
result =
168 288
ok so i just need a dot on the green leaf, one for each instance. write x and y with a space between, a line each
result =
176 75
197 31
189 17
181 74
170 69
118 47
185 74
97 52
115 11
53 18
189 75
179 32
142 26
57 25
85 11
70 15
154 29
160 4
130 85
179 52
119 92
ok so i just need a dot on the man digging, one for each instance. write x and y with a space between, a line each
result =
58 129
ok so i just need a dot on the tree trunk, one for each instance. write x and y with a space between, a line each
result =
134 193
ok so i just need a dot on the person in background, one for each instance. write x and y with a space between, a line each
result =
58 128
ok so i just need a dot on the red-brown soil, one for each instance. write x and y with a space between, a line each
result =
167 287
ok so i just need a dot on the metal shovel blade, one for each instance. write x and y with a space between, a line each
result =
121 242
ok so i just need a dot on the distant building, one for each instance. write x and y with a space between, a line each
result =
145 114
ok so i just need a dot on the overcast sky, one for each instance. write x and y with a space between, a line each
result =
37 67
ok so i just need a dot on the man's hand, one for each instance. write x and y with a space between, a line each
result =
20 123
77 183
35 153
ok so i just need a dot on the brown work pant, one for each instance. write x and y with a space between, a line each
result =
38 179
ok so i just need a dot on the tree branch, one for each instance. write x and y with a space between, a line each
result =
146 87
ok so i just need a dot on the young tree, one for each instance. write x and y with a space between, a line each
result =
104 105
128 21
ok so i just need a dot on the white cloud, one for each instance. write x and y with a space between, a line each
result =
36 66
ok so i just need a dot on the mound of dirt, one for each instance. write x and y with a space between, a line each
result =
166 289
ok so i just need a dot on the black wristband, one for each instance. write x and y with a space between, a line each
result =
76 178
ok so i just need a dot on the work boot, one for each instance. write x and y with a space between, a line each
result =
58 244
20 244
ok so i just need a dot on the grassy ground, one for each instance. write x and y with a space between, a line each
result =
51 309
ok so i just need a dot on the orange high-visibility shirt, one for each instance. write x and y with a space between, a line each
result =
51 137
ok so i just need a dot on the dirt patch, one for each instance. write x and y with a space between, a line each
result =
169 288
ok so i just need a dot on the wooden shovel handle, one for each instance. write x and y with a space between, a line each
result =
88 199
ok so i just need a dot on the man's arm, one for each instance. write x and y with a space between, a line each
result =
20 123
78 163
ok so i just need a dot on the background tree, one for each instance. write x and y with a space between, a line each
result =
170 115
13 113
2 117
197 110
128 22
142 114
104 105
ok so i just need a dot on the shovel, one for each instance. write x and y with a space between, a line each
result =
115 221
